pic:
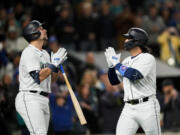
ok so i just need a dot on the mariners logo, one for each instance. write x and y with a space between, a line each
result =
123 68
43 65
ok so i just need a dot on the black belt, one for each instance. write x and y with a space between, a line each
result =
46 94
137 101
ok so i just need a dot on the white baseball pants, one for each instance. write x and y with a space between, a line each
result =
34 109
146 115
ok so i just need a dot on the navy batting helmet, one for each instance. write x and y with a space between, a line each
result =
137 36
30 31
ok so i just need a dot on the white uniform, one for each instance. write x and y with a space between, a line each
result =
145 114
33 107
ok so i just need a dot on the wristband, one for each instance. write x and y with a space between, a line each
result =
53 68
121 68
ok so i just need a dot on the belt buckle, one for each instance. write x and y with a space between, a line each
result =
141 100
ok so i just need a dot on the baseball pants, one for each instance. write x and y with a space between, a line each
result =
34 109
146 115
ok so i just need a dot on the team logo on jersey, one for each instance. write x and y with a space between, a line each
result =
43 65
123 68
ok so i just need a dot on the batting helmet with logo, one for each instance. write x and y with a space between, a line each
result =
30 31
137 37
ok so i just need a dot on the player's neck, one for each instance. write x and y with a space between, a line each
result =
38 44
135 51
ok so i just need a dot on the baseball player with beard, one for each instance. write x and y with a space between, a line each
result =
138 74
35 70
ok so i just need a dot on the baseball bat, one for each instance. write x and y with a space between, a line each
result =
74 99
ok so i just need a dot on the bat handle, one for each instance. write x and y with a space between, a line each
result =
61 68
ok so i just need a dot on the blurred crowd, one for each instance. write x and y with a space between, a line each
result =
92 25
86 26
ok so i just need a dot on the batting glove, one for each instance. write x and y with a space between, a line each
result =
59 57
112 58
110 65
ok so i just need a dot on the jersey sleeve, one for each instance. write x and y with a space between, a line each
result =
32 62
145 64
113 77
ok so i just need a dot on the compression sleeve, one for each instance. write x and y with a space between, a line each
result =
35 75
113 78
128 72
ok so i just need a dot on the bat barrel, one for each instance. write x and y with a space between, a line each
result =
74 99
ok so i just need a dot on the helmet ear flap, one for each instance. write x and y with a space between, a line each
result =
33 36
129 44
140 42
36 35
137 43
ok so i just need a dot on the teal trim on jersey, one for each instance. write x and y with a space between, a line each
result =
19 119
43 65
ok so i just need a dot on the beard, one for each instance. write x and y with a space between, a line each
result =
45 38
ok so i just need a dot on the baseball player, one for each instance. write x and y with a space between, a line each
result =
35 71
138 74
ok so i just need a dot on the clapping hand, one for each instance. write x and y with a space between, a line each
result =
111 57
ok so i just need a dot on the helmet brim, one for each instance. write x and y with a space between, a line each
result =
42 23
127 36
37 22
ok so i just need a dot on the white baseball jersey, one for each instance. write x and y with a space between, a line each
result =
145 63
144 114
33 59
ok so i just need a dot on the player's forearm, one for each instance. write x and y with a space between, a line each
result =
44 73
128 72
